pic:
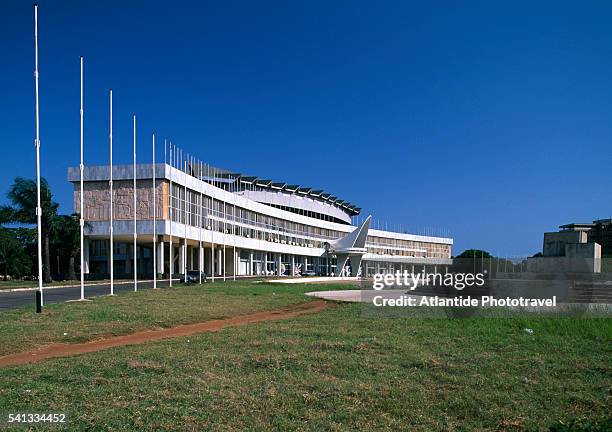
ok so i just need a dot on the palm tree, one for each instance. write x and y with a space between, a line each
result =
22 195
67 235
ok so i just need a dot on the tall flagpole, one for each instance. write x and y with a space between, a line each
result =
82 221
154 219
185 222
224 237
37 144
236 261
212 223
135 231
171 257
201 249
110 182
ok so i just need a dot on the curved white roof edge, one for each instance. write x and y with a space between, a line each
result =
302 202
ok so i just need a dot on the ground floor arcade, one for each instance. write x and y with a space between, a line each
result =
216 260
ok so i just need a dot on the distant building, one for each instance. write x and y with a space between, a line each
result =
575 248
598 231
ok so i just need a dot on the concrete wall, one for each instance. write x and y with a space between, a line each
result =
554 242
577 258
96 206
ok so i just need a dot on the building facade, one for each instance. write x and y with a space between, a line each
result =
228 224
599 231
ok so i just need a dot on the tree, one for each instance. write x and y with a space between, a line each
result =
22 195
13 259
67 237
474 253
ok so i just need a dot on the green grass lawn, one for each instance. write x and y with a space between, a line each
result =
22 329
337 370
6 285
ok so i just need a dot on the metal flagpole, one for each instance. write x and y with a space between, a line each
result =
39 304
224 237
171 257
212 225
200 250
185 222
135 231
155 217
81 220
236 264
112 275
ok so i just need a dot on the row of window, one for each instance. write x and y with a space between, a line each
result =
407 248
225 217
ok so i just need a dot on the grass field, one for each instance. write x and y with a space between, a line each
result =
6 284
129 312
337 370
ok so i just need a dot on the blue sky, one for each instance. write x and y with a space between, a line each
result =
489 120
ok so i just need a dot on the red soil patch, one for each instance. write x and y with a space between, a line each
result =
64 350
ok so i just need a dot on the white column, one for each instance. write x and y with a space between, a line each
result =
160 257
278 264
305 264
292 265
201 259
182 259
220 262
212 262
265 254
251 270
86 256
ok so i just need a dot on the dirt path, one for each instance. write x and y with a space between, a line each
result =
64 350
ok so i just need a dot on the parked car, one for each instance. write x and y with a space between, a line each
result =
193 276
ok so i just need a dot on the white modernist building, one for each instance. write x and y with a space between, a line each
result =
228 224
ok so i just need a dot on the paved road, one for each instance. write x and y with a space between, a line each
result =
17 299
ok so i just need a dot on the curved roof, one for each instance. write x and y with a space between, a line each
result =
230 178
316 194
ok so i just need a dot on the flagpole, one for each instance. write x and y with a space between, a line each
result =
82 221
236 261
154 220
212 225
224 232
110 182
37 144
201 249
185 222
135 231
171 257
